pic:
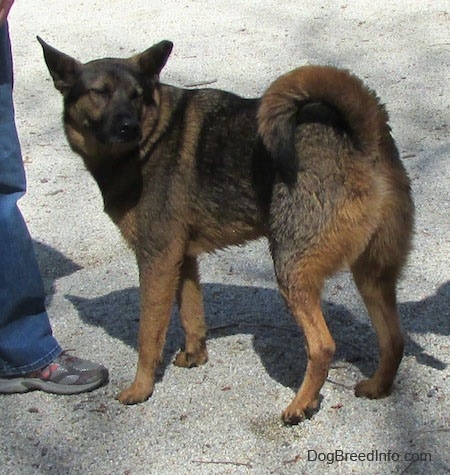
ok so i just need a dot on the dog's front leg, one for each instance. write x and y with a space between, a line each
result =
190 302
158 279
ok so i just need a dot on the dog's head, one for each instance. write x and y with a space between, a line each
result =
105 99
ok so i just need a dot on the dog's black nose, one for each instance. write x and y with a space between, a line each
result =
126 129
130 130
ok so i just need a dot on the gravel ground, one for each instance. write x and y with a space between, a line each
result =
224 418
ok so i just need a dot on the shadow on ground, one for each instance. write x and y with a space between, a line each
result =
53 265
260 312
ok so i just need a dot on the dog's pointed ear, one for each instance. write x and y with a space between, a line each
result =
152 60
63 69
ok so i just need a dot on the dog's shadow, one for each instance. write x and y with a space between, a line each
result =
233 310
260 312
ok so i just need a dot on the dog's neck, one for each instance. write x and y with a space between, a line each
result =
120 182
157 118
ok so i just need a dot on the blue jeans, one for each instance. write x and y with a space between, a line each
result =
26 340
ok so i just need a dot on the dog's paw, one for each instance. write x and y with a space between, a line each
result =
135 394
293 417
296 413
191 360
372 389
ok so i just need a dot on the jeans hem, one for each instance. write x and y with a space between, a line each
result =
39 364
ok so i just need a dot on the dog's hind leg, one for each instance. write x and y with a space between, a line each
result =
376 272
190 302
301 287
320 347
377 287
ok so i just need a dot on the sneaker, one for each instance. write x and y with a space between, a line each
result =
65 375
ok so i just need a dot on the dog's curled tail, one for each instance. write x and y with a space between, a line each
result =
359 108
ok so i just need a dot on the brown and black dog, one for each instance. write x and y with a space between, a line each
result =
311 165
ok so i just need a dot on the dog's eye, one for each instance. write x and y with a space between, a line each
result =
100 93
136 94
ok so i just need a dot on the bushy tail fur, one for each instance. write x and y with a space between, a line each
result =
359 108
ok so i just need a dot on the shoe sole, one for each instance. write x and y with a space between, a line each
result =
24 385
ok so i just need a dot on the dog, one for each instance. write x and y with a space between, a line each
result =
311 165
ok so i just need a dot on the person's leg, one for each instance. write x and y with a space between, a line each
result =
26 341
30 357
